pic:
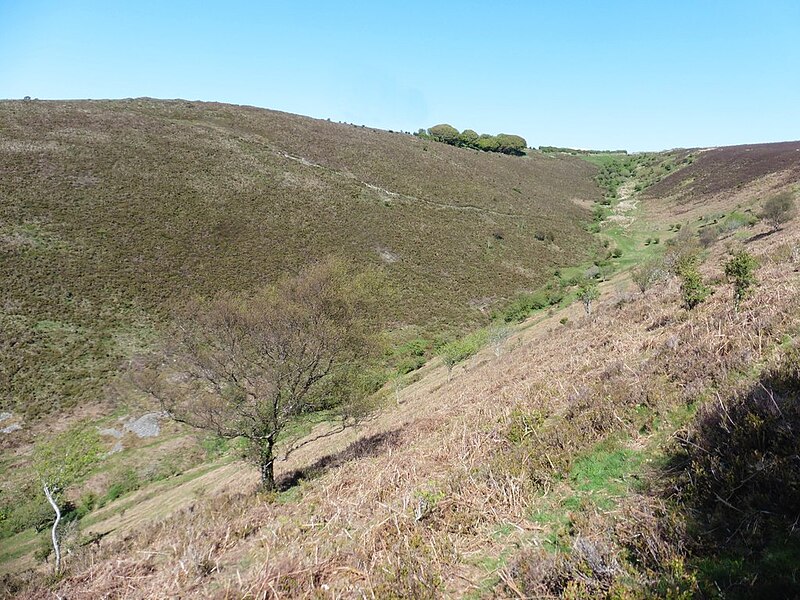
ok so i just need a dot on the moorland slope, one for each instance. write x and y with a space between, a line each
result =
112 209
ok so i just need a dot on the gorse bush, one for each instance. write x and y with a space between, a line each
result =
740 270
693 290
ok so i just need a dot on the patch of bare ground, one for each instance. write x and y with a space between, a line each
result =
414 502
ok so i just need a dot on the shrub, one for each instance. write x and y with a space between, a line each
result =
523 305
708 235
740 270
460 350
648 274
693 290
779 209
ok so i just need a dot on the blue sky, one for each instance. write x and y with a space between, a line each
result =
591 74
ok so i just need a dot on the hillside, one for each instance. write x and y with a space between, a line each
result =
646 450
109 210
728 176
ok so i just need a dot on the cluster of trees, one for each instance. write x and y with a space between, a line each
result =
505 143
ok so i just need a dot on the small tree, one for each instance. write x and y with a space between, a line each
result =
648 274
58 463
740 270
693 290
588 293
247 366
779 209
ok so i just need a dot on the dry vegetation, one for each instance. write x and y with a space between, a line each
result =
643 451
555 469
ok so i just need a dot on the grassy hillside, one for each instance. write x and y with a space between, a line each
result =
110 209
722 174
647 451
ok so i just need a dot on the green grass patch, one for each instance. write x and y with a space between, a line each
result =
606 470
18 545
461 349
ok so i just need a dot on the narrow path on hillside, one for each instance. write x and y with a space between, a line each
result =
261 142
391 194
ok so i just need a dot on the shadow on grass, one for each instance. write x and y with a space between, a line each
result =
373 445
760 236
735 475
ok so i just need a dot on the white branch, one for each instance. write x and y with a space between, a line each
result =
54 535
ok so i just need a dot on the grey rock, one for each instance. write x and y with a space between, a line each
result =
145 426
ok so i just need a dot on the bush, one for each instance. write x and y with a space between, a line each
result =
460 350
124 482
693 290
779 209
524 304
648 274
740 270
708 235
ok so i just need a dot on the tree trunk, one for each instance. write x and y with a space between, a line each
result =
266 464
54 534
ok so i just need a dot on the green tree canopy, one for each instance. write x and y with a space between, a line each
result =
511 144
468 137
488 143
444 133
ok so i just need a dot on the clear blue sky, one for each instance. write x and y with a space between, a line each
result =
592 74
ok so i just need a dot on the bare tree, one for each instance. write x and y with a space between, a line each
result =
648 273
246 366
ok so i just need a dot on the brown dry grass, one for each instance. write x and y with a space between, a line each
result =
410 505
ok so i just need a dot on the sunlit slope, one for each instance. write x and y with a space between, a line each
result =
109 209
